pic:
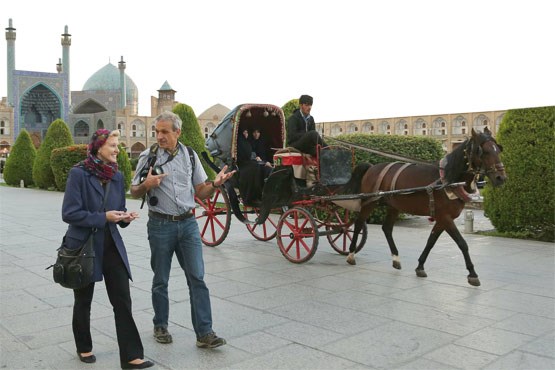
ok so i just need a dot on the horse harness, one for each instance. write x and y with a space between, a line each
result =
385 170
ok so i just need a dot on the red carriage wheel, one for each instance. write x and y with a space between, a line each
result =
297 235
267 230
214 218
345 227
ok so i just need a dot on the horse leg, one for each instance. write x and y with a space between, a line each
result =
387 228
457 237
359 224
432 239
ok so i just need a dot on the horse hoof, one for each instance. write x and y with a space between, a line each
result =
351 259
421 273
397 265
474 281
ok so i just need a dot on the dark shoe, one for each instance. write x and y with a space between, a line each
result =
162 336
87 359
210 340
142 365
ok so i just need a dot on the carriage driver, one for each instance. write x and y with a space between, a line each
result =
301 129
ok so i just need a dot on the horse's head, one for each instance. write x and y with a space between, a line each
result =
483 157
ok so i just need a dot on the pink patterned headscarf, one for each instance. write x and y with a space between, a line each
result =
97 140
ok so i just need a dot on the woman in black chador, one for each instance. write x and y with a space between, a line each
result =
250 173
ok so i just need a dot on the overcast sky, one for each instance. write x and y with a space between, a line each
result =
358 59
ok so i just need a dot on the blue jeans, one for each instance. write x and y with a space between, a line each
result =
183 238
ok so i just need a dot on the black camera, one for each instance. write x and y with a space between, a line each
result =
156 170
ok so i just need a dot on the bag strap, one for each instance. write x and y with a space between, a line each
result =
106 190
193 163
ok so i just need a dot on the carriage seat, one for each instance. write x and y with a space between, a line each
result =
305 166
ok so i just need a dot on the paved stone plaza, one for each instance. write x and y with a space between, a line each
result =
323 314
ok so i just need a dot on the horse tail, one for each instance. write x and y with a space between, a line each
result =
353 186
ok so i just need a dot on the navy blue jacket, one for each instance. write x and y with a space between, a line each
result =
81 210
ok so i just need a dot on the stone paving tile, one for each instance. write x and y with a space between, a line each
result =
277 296
430 317
521 360
461 357
543 346
527 324
295 357
389 345
308 335
495 341
516 301
259 343
323 315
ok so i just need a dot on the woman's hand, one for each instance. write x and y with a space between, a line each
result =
117 216
130 216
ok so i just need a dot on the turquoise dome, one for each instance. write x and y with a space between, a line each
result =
107 79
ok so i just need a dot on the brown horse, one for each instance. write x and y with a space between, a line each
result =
477 155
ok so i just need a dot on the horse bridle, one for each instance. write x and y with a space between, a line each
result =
468 153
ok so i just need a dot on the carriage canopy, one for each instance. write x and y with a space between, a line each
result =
268 118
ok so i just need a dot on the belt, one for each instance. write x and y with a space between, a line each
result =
170 217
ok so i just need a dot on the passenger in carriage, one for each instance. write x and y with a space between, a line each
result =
250 172
301 129
259 148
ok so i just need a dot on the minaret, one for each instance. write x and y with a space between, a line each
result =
10 39
121 67
66 43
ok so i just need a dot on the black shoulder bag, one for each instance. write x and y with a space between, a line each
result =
74 266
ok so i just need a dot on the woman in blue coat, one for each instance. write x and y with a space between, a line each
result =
81 209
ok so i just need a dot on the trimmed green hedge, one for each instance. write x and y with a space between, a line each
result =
191 135
525 205
57 136
19 165
63 159
417 147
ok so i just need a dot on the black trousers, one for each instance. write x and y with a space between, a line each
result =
117 287
307 143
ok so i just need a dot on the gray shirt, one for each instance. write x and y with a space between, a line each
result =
176 194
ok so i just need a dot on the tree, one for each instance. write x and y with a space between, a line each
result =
525 205
289 108
19 165
57 136
124 166
191 134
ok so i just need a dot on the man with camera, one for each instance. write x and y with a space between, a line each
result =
169 177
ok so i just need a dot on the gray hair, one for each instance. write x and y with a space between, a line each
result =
171 117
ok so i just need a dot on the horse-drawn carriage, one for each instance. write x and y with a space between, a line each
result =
289 207
305 197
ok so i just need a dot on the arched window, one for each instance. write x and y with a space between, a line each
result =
137 128
81 129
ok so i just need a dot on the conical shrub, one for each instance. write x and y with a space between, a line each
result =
191 135
19 165
57 136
